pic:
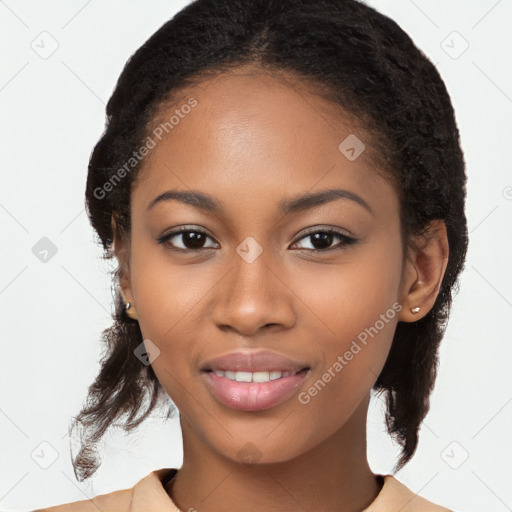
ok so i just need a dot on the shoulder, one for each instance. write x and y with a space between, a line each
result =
395 495
125 500
113 502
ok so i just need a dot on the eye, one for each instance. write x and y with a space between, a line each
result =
322 238
192 239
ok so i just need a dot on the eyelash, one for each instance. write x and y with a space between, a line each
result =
346 240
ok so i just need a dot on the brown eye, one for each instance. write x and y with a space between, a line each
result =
321 240
190 239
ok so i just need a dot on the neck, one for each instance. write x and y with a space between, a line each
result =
334 475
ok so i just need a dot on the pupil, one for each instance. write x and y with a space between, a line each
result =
193 239
322 237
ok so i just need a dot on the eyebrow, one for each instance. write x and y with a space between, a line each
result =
288 206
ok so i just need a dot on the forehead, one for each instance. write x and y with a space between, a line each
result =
254 136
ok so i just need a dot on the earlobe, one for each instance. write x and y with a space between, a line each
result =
130 311
122 256
425 268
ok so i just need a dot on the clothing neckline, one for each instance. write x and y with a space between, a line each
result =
393 495
166 475
169 476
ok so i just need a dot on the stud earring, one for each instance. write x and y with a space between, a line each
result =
130 311
415 310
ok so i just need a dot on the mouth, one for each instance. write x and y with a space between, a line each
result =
261 376
242 391
253 380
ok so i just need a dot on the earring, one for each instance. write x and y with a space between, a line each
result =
130 311
415 310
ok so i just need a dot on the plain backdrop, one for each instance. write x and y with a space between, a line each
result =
59 64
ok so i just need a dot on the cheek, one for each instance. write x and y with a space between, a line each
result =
167 295
355 315
351 362
342 301
167 298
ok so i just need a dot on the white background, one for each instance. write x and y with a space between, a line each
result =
53 313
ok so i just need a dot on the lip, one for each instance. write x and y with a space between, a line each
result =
254 361
253 396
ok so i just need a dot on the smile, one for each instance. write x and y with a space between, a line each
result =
253 391
253 376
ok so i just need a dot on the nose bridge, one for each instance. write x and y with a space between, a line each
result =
253 294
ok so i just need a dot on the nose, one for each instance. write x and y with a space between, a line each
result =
253 296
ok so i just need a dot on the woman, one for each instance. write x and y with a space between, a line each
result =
282 185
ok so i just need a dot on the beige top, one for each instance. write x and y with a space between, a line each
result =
149 495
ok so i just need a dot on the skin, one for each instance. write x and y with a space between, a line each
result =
252 141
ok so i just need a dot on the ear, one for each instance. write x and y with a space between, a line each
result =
424 270
122 255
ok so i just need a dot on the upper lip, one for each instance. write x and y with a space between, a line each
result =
253 361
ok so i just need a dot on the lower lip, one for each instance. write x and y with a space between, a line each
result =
253 396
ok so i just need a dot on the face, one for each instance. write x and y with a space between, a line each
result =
272 286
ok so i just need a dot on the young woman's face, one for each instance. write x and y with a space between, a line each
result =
253 281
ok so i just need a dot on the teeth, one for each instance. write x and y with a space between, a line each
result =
243 377
252 376
261 376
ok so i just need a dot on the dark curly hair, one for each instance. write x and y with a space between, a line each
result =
355 57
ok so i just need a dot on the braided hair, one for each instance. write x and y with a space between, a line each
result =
353 56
